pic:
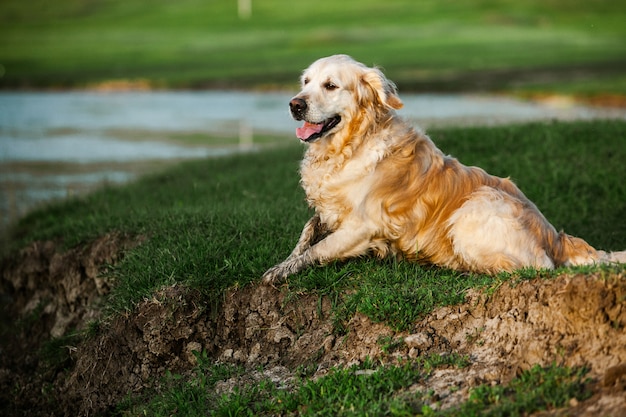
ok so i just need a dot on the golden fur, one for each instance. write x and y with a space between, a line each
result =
380 186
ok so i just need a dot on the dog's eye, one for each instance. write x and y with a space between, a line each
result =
305 81
330 86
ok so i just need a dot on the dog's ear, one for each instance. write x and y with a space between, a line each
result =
384 90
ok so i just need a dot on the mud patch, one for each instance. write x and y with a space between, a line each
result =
257 326
63 286
571 320
46 294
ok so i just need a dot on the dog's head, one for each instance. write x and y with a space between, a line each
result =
334 91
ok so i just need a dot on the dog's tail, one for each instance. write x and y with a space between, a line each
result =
573 251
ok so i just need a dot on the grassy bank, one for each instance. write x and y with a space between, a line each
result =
217 223
568 46
221 222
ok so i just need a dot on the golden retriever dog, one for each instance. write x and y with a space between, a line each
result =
382 187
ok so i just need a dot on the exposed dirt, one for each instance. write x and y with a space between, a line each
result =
573 320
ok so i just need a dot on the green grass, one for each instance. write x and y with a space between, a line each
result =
215 223
396 293
366 389
535 389
572 46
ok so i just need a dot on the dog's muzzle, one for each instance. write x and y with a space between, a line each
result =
310 131
298 108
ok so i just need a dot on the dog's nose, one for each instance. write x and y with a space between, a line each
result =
297 106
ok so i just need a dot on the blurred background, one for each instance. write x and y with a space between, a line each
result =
100 91
569 46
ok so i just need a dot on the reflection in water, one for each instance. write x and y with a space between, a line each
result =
24 185
86 148
57 144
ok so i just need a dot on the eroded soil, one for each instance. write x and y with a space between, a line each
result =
573 320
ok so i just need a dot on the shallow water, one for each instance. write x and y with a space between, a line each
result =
58 144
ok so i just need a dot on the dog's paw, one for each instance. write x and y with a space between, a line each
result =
274 275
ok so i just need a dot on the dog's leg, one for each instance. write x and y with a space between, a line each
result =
346 242
313 230
495 231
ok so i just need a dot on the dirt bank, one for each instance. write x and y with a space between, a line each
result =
573 320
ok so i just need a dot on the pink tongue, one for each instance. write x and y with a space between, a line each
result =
308 129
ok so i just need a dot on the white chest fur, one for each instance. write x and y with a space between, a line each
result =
338 186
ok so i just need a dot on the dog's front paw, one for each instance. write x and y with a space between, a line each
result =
290 266
274 275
